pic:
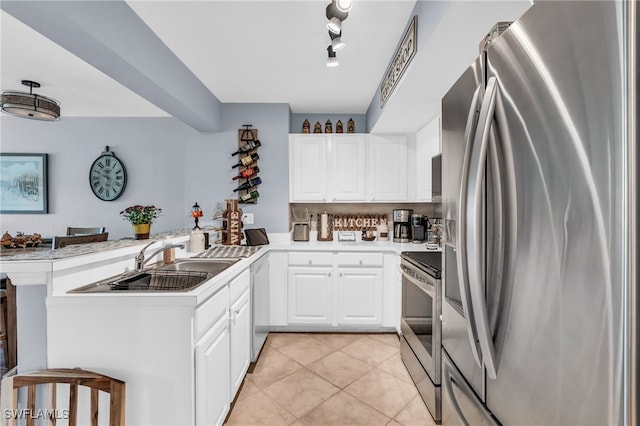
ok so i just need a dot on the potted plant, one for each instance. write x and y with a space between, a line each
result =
141 217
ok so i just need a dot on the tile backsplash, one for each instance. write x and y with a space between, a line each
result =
367 210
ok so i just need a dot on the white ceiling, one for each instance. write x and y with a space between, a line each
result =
267 51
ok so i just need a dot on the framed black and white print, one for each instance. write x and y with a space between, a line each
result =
23 183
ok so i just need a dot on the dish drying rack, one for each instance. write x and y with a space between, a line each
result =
230 252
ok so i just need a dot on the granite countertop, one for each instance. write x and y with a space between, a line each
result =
83 249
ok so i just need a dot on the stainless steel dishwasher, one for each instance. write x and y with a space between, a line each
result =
260 307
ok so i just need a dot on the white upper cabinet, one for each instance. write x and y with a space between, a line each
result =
427 146
348 173
347 168
308 168
388 176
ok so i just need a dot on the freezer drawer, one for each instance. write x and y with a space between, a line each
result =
460 405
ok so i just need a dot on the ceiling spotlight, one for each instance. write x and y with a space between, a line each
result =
335 18
334 25
29 105
343 5
332 61
336 41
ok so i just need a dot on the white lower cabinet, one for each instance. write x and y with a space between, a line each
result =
240 333
335 289
310 291
223 352
212 375
359 296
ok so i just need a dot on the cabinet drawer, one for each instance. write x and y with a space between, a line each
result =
311 258
239 285
210 311
360 259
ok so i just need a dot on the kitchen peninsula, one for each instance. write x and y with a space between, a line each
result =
159 343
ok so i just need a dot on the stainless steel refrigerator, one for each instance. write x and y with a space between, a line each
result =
539 198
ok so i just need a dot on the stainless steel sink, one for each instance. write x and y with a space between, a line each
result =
211 266
183 275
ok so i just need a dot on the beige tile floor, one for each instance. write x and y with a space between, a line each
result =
329 380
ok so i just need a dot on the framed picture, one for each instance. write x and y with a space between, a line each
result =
23 183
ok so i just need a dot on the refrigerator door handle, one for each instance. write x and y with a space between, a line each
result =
475 225
461 229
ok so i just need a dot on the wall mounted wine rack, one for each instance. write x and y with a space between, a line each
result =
247 165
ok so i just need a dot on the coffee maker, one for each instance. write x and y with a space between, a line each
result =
402 226
419 228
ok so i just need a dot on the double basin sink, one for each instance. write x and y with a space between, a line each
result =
182 275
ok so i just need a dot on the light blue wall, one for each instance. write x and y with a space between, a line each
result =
168 164
208 164
152 150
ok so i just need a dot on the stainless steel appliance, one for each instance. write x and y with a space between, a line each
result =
260 321
537 194
301 232
436 178
420 344
402 226
419 228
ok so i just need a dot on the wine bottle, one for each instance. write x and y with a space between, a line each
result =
247 173
249 184
248 197
247 147
245 161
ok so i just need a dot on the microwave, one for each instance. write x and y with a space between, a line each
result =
436 178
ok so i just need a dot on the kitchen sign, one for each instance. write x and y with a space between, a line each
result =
401 60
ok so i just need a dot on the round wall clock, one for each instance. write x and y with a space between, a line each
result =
107 176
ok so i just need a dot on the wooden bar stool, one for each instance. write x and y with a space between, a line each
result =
73 377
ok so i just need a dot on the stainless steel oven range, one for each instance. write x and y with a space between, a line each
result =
421 340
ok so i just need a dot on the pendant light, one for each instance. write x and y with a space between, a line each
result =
30 105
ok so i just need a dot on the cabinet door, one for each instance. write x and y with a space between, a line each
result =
212 375
308 168
348 174
360 296
427 146
388 172
240 336
310 295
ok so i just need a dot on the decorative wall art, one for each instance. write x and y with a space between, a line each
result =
23 183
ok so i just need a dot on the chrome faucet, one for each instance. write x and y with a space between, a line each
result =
141 261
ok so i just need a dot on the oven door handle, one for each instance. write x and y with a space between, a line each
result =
425 286
461 229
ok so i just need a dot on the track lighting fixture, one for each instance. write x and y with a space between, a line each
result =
337 11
